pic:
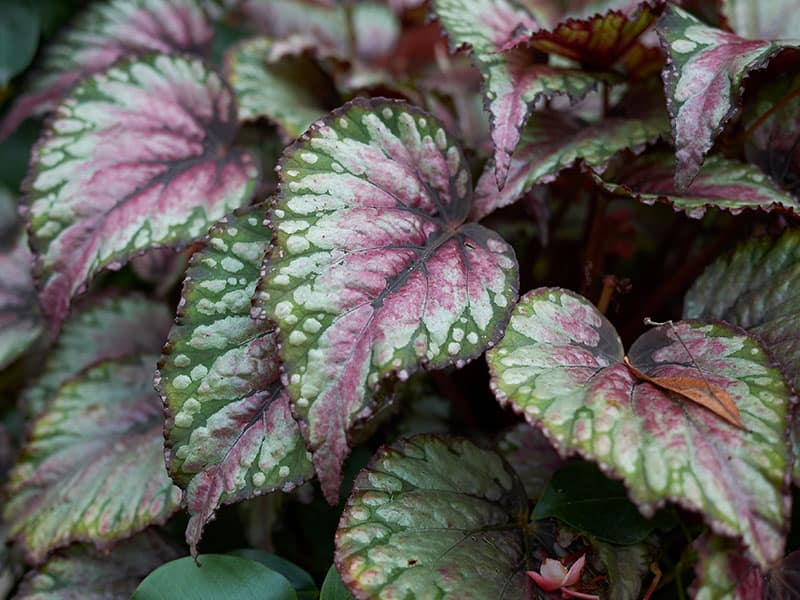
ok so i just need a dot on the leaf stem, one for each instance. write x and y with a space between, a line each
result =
350 24
776 107
609 284
595 243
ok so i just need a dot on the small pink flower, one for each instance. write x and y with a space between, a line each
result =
553 575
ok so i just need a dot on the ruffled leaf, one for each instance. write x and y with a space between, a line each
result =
560 363
754 288
292 91
105 32
230 434
374 271
434 518
555 141
93 468
514 79
138 156
105 329
703 83
533 458
722 183
771 20
599 41
85 573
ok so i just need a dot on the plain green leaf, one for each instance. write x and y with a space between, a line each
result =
19 37
333 588
301 581
219 576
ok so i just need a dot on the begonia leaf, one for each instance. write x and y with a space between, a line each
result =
773 20
137 156
82 572
772 127
292 92
560 363
101 35
754 288
435 517
374 270
513 80
530 454
598 41
93 467
723 183
230 433
722 571
301 581
703 83
104 329
554 141
626 567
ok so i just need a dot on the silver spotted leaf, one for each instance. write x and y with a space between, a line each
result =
102 34
102 329
560 363
84 573
374 270
291 91
93 467
754 288
434 517
722 183
137 156
230 434
703 82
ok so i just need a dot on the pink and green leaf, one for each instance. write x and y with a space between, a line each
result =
753 287
92 469
554 141
703 82
513 80
560 364
722 571
104 329
136 157
292 91
84 572
773 20
230 432
434 517
374 271
722 183
104 33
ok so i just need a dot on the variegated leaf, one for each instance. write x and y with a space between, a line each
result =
514 79
550 14
83 573
722 571
772 127
374 271
722 183
776 19
703 83
109 328
529 452
754 288
105 32
555 141
601 40
230 431
291 91
93 467
435 517
136 157
560 364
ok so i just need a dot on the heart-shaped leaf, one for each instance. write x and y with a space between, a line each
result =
103 329
374 271
292 91
435 517
93 467
554 141
230 433
560 363
703 83
85 573
136 157
514 79
772 129
722 183
754 288
105 32
771 20
533 458
599 41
